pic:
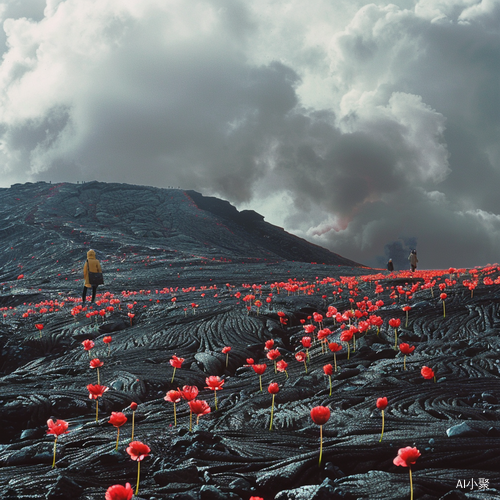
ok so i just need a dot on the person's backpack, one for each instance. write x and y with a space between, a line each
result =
94 278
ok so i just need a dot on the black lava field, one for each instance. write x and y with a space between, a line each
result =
186 276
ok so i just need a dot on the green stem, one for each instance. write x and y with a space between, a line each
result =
117 437
98 377
260 380
190 420
348 350
133 422
175 417
406 326
335 360
272 412
411 485
444 310
305 365
173 375
382 435
395 339
54 460
404 363
320 444
354 343
96 410
215 395
330 377
138 476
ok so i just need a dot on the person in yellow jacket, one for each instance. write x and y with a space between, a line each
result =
95 267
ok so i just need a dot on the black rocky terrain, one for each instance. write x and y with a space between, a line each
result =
157 245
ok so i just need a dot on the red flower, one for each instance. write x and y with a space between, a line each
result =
259 369
176 362
107 340
273 388
427 372
394 322
119 492
443 296
225 350
300 356
381 403
39 326
346 335
88 344
334 347
138 451
328 369
252 498
281 365
189 392
95 363
175 396
406 456
269 344
117 418
324 333
309 328
199 407
58 427
406 348
273 354
96 391
214 383
406 308
133 406
320 414
306 342
250 361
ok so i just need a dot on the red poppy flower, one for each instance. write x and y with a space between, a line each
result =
199 407
273 354
250 361
138 451
306 342
406 456
96 391
334 347
346 336
95 363
176 362
133 406
394 322
39 326
225 350
328 369
119 492
427 372
282 365
58 427
269 344
443 296
273 388
300 356
174 396
309 328
259 369
214 383
117 418
88 344
189 392
320 414
107 340
381 403
406 348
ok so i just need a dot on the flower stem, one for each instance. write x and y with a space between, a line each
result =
54 460
117 437
98 377
305 365
173 375
404 363
382 435
190 421
395 339
411 485
260 380
335 360
215 395
320 444
330 377
272 412
444 310
138 476
227 358
354 343
348 350
175 417
96 410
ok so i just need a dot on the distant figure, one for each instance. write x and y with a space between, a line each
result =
390 266
94 266
413 260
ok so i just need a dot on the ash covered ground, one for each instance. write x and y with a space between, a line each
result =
158 245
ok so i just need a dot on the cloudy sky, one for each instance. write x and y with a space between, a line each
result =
367 128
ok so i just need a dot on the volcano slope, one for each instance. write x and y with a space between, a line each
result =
193 306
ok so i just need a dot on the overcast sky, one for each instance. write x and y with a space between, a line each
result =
367 128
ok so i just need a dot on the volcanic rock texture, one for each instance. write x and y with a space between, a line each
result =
158 245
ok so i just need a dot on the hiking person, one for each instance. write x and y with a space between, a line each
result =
90 269
390 266
413 260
